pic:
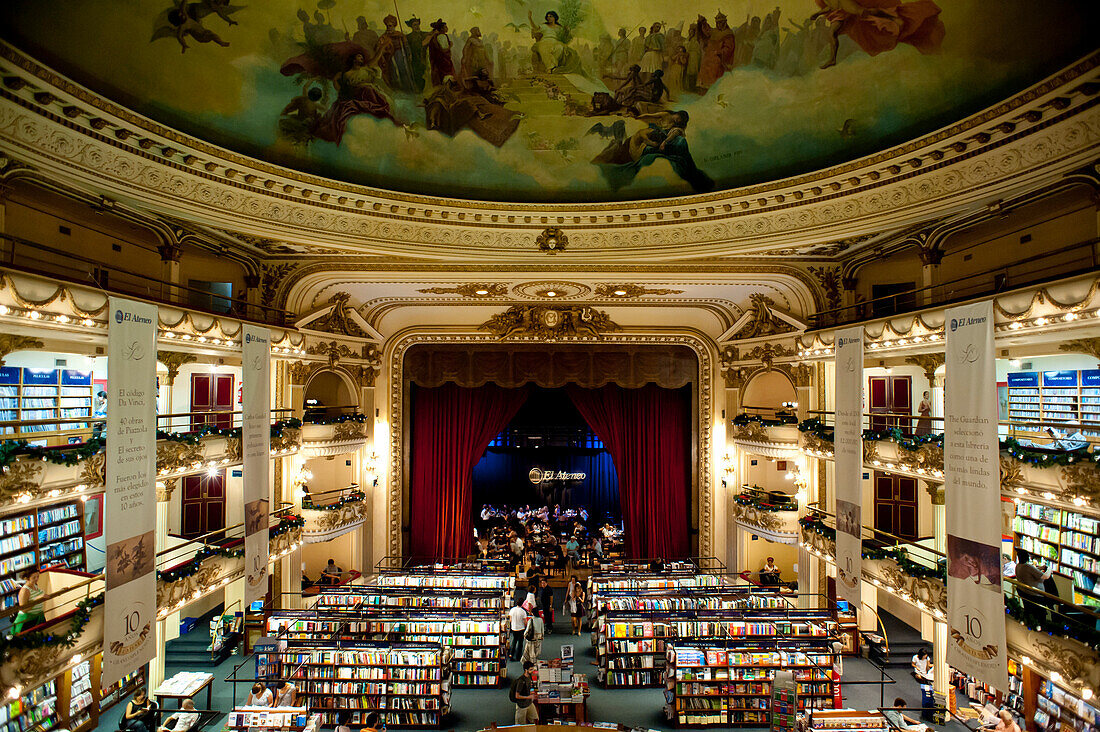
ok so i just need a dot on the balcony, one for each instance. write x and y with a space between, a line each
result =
327 436
342 511
767 432
770 514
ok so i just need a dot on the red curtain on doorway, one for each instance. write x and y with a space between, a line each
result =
451 428
646 431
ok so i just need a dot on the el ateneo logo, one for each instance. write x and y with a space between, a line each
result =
136 627
538 475
126 317
249 338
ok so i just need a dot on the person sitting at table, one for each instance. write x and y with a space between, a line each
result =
572 550
1005 722
286 694
769 573
182 720
140 713
330 575
922 666
900 720
260 696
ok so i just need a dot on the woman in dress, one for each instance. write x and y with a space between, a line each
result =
924 422
677 73
550 49
31 610
358 92
575 605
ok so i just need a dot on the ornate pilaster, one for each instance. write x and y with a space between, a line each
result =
13 343
173 360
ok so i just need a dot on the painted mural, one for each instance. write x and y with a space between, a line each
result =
554 100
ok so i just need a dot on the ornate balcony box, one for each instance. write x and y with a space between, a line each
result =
333 438
325 523
777 523
770 440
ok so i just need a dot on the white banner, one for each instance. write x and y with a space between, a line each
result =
971 463
129 639
848 446
256 446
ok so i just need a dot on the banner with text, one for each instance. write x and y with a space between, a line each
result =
972 475
256 444
848 446
129 638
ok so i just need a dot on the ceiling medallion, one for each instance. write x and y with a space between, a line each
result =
549 323
631 290
476 290
552 290
552 240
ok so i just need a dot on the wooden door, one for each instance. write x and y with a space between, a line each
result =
212 392
896 505
890 401
203 504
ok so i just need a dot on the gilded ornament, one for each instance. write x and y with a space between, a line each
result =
626 291
338 320
93 470
345 431
19 477
288 439
335 351
1087 346
928 362
764 321
1081 479
173 360
1012 473
300 371
172 455
549 323
1068 661
753 516
766 353
752 432
233 449
829 280
12 343
552 240
165 489
475 290
870 451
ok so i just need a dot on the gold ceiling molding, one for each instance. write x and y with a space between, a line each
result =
703 486
552 240
1024 141
476 290
551 290
173 360
629 290
1087 346
339 319
763 319
12 343
550 323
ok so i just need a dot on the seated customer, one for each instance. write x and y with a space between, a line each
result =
330 575
182 720
140 713
922 666
769 573
899 720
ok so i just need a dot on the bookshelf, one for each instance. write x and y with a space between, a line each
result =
293 719
1055 396
722 683
400 681
1058 709
48 536
400 598
826 720
478 640
1069 540
118 691
36 709
82 709
43 394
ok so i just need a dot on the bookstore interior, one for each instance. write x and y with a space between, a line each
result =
586 364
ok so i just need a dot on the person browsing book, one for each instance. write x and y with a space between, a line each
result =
522 694
182 720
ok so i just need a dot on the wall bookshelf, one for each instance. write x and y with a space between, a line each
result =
44 394
400 681
1055 396
1068 540
48 536
723 684
35 710
1058 709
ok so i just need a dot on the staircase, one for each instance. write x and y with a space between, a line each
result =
190 650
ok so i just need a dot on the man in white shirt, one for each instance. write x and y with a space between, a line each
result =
517 623
183 720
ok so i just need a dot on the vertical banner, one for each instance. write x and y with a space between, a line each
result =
256 446
972 475
848 447
129 640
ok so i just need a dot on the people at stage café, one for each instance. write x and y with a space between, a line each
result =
545 538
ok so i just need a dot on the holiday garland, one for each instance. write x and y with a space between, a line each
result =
50 638
896 553
338 419
1039 457
286 523
12 450
1040 623
755 501
353 497
781 418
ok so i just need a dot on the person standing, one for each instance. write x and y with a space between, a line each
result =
1031 576
523 695
439 52
546 602
576 607
260 696
31 610
517 623
532 637
924 422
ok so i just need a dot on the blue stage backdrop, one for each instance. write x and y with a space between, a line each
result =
503 477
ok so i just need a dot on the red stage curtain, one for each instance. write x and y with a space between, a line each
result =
646 431
451 428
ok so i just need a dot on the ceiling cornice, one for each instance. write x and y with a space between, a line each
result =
1027 141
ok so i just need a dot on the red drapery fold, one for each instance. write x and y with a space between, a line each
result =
646 431
451 428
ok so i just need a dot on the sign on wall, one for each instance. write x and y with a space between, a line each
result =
129 640
975 596
848 446
256 447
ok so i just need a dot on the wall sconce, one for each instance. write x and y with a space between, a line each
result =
370 470
301 481
727 469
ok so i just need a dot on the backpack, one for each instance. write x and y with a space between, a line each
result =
512 691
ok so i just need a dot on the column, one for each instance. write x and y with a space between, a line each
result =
170 270
868 612
252 296
930 258
940 668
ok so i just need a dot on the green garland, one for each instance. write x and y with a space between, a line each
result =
782 417
44 638
338 419
1039 622
12 450
901 557
286 523
1021 453
744 499
353 497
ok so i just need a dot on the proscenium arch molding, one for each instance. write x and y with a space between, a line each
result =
702 479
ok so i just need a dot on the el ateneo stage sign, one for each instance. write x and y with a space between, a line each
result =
848 448
538 475
975 596
129 640
256 445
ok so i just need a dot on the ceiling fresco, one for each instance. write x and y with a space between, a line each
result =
554 100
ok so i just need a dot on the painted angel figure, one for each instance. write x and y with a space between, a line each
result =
185 19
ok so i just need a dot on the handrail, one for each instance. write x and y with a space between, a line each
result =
14 609
21 255
1086 424
90 419
283 508
874 531
911 300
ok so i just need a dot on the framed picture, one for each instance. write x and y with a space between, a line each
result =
93 517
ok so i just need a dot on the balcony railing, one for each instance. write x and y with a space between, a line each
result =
1075 259
27 256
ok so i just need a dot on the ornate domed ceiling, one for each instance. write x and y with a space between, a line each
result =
514 100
